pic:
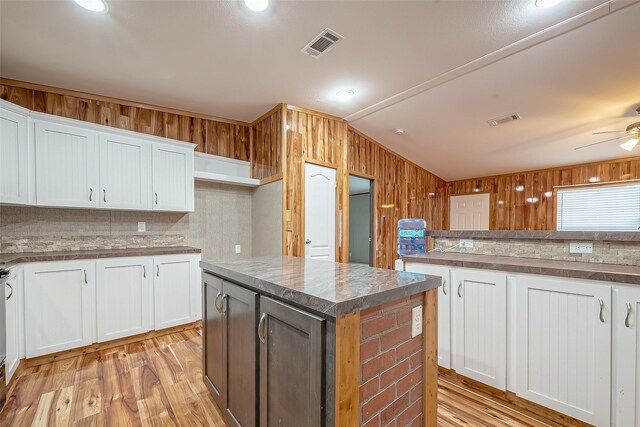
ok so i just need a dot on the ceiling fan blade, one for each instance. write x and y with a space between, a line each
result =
609 131
601 142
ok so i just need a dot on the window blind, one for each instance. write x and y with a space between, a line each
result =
607 208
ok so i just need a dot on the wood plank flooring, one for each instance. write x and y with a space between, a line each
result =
158 382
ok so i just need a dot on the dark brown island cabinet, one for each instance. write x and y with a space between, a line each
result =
297 342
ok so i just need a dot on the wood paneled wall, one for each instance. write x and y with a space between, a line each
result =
227 138
266 145
401 190
516 214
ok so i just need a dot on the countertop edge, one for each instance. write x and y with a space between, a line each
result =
570 273
614 236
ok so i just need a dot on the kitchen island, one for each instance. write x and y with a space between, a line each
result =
298 342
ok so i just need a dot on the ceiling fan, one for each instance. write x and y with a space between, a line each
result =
631 135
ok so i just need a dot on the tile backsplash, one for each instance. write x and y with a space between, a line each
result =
621 253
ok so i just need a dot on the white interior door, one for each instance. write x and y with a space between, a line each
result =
320 212
470 212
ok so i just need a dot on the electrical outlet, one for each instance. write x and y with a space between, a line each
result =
237 249
416 321
580 247
466 243
142 227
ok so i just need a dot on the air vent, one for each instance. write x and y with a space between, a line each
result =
503 120
322 43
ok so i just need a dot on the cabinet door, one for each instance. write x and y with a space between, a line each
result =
444 309
125 174
291 358
480 305
626 365
215 363
564 346
12 317
123 289
175 285
66 165
15 162
172 178
58 306
239 311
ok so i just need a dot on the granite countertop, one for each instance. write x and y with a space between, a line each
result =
570 269
9 260
615 236
326 287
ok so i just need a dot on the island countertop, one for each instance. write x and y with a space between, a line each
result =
330 288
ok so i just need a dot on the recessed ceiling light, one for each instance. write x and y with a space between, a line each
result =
399 131
345 94
93 5
594 179
547 3
548 194
256 5
519 188
630 144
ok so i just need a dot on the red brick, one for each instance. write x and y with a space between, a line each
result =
409 381
393 305
392 424
392 374
373 422
404 315
376 365
378 402
416 359
416 392
392 411
394 337
369 389
409 347
370 312
409 414
417 422
370 348
417 297
378 325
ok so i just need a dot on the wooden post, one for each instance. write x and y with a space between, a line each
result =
347 398
430 349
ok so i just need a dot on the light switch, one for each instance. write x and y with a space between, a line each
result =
237 249
416 321
142 227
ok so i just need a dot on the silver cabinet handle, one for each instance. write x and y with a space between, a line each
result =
156 198
601 302
85 277
308 241
459 288
219 308
224 306
11 289
444 287
144 271
90 194
157 271
261 335
628 316
104 195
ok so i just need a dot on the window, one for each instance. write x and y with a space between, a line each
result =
601 207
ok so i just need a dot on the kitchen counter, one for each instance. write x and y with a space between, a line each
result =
9 260
332 289
578 270
610 236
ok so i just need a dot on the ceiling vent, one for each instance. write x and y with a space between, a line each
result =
503 120
322 43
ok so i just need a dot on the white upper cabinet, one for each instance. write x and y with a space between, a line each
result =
564 346
15 164
125 178
66 165
480 327
172 178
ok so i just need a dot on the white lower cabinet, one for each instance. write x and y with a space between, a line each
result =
564 346
59 306
444 309
626 362
177 296
124 298
12 317
480 326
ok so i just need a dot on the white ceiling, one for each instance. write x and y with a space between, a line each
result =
439 69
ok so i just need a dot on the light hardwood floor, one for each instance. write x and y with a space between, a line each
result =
158 382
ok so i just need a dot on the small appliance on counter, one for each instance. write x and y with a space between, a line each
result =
412 236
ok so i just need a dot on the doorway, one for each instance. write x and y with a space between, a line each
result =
319 212
360 220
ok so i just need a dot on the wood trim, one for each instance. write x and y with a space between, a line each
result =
321 163
62 355
596 184
271 179
314 113
267 114
430 354
347 385
362 175
102 98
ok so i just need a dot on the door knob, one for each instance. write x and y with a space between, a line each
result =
307 241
